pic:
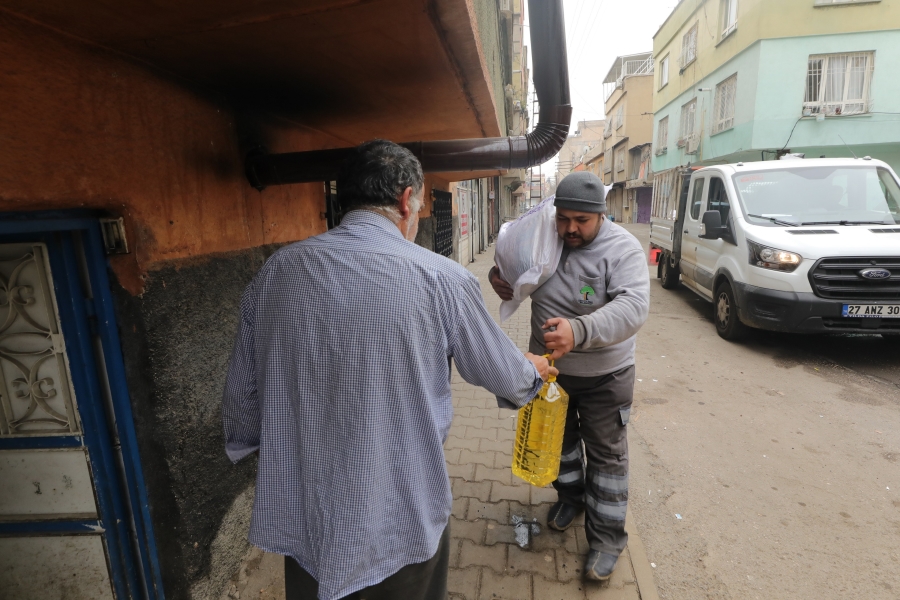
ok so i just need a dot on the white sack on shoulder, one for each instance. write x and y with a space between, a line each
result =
528 251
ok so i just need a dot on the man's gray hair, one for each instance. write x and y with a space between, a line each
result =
377 173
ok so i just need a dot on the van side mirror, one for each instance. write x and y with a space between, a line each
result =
712 225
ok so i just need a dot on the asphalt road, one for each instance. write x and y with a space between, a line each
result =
768 468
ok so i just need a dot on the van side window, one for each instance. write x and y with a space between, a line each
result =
718 198
697 198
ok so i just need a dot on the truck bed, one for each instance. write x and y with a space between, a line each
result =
662 233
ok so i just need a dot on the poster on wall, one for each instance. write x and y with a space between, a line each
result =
463 196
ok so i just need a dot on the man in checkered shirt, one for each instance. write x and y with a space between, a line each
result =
340 379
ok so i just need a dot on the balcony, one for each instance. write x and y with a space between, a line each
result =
626 66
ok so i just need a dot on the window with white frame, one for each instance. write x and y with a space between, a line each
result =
724 105
687 120
620 159
662 136
664 72
838 84
689 46
620 116
607 128
729 16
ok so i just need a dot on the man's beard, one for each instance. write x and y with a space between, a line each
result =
573 241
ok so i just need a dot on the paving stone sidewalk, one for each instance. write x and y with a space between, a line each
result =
486 562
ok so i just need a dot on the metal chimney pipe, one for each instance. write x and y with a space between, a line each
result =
551 83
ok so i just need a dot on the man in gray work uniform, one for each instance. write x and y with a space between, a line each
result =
588 314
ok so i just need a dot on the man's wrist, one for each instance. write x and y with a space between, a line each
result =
492 273
578 332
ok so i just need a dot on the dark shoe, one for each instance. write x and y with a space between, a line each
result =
562 515
599 566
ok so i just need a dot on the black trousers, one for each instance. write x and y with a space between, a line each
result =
421 581
596 478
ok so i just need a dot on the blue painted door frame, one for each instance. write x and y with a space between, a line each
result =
81 282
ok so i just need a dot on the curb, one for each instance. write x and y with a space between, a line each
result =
643 572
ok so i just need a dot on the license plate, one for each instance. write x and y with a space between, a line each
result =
884 311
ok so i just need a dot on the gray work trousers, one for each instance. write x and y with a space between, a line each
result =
598 413
421 581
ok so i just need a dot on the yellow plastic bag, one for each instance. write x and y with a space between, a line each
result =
539 435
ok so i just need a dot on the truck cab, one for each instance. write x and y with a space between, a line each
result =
804 245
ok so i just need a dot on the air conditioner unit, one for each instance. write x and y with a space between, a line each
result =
692 145
506 7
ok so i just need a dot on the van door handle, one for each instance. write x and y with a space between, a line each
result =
685 230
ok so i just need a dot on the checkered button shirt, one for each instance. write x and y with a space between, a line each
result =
340 377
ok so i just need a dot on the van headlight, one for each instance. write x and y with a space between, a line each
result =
773 258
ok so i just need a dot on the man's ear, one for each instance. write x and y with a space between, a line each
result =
403 203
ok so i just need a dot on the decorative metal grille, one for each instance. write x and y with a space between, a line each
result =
689 46
724 104
620 159
662 136
36 397
687 120
620 116
838 84
443 223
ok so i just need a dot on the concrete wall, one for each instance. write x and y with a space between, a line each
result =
177 339
636 100
487 16
639 110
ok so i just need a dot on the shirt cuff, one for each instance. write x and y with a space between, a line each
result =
578 331
236 451
535 388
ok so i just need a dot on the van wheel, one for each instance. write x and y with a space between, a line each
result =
728 325
668 275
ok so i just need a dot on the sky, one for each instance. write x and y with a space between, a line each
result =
597 31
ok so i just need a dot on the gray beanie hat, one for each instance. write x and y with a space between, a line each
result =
582 191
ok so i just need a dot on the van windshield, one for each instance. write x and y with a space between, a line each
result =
819 195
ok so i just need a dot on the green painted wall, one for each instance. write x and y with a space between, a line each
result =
769 103
780 96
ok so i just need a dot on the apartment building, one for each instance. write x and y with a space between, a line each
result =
741 80
587 137
512 189
628 94
482 204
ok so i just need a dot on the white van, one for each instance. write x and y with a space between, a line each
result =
804 245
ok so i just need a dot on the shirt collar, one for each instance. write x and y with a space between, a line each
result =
370 218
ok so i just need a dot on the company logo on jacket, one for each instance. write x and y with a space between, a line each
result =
585 292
